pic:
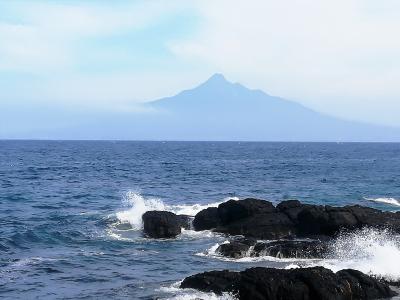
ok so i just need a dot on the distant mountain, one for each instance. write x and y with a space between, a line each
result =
221 110
216 110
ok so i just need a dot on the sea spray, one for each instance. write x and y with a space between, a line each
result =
385 200
136 205
371 251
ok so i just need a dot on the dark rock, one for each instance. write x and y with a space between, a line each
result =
315 283
234 250
364 286
260 219
185 221
325 220
206 219
291 208
214 281
232 211
239 248
367 216
161 224
274 225
291 249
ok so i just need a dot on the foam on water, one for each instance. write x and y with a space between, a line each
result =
385 200
371 251
137 205
190 294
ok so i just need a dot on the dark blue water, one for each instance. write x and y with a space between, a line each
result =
61 236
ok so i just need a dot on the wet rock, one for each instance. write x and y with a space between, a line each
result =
260 219
232 210
236 248
161 224
291 249
206 219
214 281
269 226
185 221
315 283
240 248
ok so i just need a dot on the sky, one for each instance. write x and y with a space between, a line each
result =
57 57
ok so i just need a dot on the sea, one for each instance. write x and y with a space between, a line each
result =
70 211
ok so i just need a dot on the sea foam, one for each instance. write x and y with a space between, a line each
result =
385 200
371 251
136 205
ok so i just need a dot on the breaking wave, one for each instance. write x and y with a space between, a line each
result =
385 200
371 251
136 205
177 293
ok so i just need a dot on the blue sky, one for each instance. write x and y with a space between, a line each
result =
340 57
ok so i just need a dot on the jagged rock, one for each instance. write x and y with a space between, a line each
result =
207 219
263 226
291 249
239 248
185 221
260 219
236 248
315 283
161 224
232 210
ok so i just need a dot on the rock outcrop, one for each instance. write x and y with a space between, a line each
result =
239 248
164 224
315 283
290 219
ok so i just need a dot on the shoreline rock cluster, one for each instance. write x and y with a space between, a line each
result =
315 283
283 225
246 247
290 219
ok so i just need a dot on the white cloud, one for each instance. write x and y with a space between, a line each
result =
339 56
317 51
48 35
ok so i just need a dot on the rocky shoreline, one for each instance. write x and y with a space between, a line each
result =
279 227
276 284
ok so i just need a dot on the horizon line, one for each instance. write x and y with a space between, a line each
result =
195 141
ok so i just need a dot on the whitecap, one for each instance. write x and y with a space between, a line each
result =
385 200
371 251
137 205
177 293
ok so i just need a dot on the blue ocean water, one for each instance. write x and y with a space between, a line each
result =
70 210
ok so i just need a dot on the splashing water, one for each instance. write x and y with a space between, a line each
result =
138 206
371 251
190 294
385 200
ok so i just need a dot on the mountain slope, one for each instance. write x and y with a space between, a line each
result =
220 110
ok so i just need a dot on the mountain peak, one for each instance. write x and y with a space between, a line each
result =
216 78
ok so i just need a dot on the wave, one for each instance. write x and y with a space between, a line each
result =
176 293
371 251
137 205
385 200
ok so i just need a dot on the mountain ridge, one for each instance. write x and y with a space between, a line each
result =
216 101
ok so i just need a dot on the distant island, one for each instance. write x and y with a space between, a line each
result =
225 111
216 110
